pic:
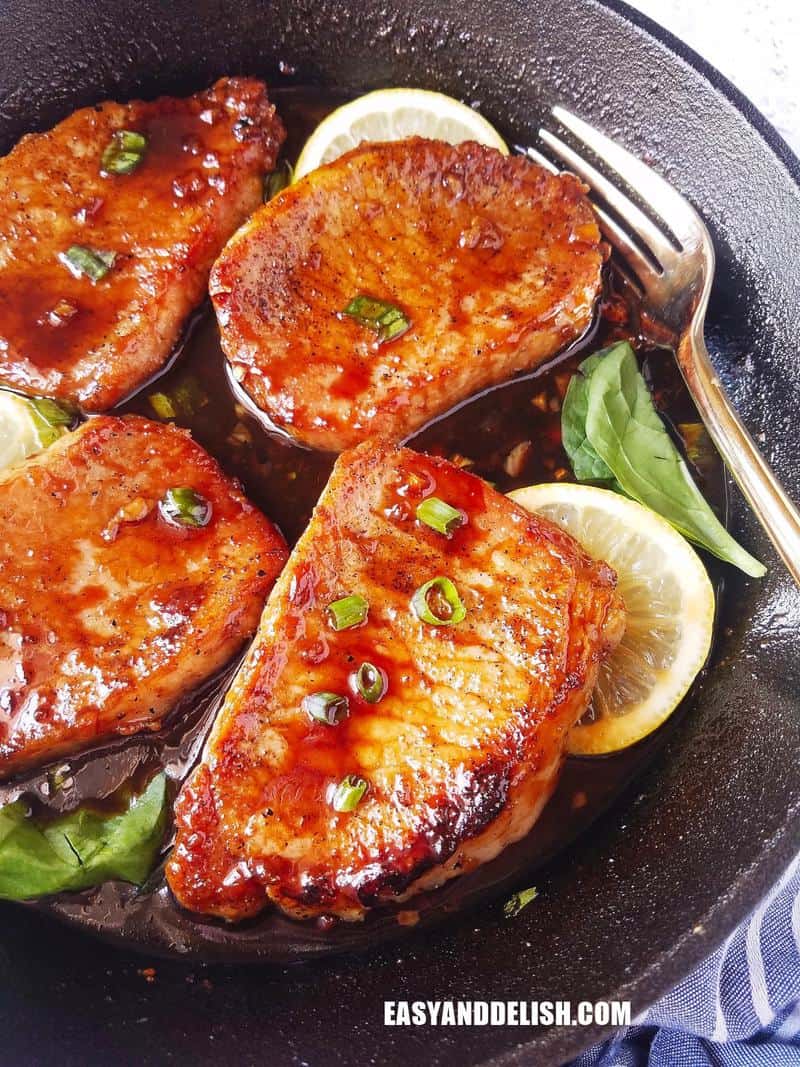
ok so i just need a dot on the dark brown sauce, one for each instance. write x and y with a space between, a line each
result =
510 436
54 317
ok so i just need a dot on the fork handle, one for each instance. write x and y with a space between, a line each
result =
762 490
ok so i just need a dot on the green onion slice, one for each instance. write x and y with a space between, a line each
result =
330 708
440 515
347 612
437 602
277 180
185 507
514 905
91 262
186 399
52 413
162 405
348 793
189 395
387 320
124 152
370 681
49 419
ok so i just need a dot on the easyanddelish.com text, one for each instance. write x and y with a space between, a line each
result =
506 1013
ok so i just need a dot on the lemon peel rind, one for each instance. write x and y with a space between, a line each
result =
611 734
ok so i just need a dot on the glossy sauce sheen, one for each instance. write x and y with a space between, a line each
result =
464 748
93 342
493 262
109 611
285 482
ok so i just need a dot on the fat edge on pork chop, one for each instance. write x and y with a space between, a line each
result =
461 749
485 265
109 224
110 611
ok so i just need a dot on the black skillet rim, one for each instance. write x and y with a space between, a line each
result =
743 896
745 891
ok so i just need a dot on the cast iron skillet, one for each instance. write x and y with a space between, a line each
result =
665 875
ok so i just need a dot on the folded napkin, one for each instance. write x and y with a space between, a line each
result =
740 1007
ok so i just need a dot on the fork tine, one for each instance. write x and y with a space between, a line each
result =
657 243
637 262
676 212
640 266
537 157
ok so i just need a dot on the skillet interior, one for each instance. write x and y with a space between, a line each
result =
669 871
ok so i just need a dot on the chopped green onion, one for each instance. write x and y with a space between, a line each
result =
440 516
514 905
51 412
189 395
91 262
329 708
437 602
50 418
124 152
185 399
348 793
277 180
60 777
387 320
162 405
370 681
185 507
347 612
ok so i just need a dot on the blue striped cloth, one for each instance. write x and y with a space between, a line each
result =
741 1007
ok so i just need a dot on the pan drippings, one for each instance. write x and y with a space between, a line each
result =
509 436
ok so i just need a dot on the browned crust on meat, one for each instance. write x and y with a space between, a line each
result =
495 262
461 753
167 221
109 613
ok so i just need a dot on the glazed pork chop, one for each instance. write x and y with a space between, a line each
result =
401 715
385 287
109 224
117 595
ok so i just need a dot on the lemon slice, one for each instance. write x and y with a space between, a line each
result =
391 115
669 605
28 425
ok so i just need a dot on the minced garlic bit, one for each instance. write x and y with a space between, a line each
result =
516 459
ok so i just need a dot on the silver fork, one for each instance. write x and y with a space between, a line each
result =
674 271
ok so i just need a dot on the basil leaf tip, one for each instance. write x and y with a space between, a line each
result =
614 437
586 463
81 848
277 180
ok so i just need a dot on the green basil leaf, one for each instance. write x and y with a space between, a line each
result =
586 464
628 435
82 848
278 180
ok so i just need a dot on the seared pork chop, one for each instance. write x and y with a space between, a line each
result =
110 608
147 193
385 287
328 788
